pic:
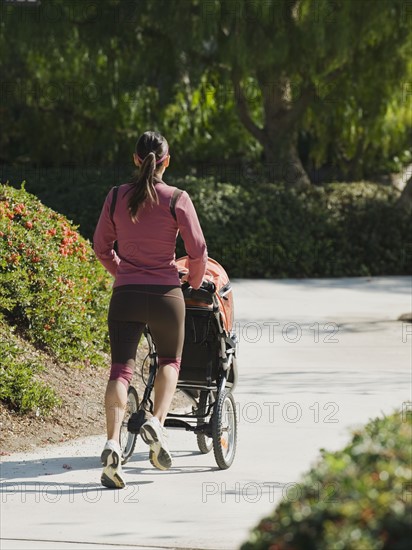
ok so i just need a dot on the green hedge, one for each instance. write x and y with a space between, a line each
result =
261 230
356 499
331 231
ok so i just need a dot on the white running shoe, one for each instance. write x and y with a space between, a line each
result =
155 435
112 475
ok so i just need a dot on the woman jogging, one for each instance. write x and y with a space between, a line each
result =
146 290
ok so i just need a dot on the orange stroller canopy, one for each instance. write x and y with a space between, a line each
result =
216 274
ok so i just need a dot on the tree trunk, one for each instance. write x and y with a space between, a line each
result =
405 200
278 136
282 162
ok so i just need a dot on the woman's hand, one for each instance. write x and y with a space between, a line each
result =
184 278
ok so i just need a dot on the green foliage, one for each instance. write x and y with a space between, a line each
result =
358 497
333 231
202 126
96 77
362 136
53 289
263 230
76 193
84 81
18 387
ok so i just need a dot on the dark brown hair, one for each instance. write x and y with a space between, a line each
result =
151 149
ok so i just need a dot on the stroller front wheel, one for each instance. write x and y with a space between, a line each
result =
224 429
204 442
128 439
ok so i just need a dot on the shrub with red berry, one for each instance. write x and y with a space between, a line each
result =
357 498
53 290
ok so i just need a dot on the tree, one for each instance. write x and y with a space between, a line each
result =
72 75
301 56
303 81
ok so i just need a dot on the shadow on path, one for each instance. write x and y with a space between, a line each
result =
29 469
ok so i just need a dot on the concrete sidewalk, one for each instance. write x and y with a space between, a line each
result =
316 357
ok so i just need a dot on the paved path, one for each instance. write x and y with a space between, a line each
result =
316 358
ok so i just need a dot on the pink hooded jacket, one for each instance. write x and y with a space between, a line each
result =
146 249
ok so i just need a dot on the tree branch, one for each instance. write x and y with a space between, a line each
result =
243 110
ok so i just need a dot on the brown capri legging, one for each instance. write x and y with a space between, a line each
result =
132 307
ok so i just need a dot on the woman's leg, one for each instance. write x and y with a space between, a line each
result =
126 311
125 329
115 404
165 387
167 315
166 312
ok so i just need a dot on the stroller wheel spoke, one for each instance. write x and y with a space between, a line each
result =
128 439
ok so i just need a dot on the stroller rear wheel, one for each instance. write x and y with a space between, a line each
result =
224 429
127 439
204 442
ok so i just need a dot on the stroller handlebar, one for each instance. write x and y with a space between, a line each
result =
206 285
209 286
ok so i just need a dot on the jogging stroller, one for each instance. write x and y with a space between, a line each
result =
208 372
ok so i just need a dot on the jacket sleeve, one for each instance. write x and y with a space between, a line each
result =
192 235
104 238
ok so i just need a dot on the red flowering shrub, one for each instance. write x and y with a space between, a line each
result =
53 290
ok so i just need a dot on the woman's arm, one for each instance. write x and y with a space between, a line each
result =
193 238
104 238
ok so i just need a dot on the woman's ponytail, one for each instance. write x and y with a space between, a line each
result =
143 186
149 146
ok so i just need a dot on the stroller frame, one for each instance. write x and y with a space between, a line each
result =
213 417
